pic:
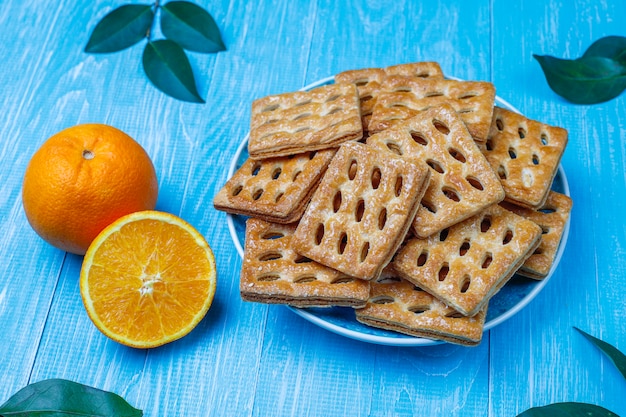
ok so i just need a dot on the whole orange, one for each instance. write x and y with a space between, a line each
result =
81 180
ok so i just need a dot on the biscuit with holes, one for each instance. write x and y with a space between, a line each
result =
552 218
404 97
425 69
462 182
274 189
272 272
526 155
361 211
468 263
302 121
368 82
398 305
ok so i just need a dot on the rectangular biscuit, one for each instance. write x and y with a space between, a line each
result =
272 272
361 211
468 263
368 82
398 305
526 155
424 69
302 121
404 97
552 217
462 182
274 189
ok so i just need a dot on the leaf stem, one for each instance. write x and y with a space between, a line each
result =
154 19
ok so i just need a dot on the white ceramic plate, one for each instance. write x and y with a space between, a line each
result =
514 296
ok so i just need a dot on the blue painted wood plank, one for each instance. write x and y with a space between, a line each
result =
305 370
378 34
29 268
252 359
549 361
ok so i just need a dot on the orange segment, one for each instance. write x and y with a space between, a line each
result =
148 279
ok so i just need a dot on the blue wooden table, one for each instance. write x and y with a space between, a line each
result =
248 359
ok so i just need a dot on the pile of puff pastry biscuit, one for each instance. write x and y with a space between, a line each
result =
408 196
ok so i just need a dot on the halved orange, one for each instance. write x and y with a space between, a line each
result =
148 279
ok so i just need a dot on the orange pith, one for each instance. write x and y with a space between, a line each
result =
148 279
81 180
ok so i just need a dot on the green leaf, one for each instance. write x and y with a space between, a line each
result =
617 357
613 47
120 29
587 80
568 410
167 66
60 398
191 27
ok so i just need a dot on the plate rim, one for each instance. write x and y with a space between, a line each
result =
406 340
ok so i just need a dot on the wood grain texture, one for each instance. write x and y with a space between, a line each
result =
29 270
248 359
550 361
